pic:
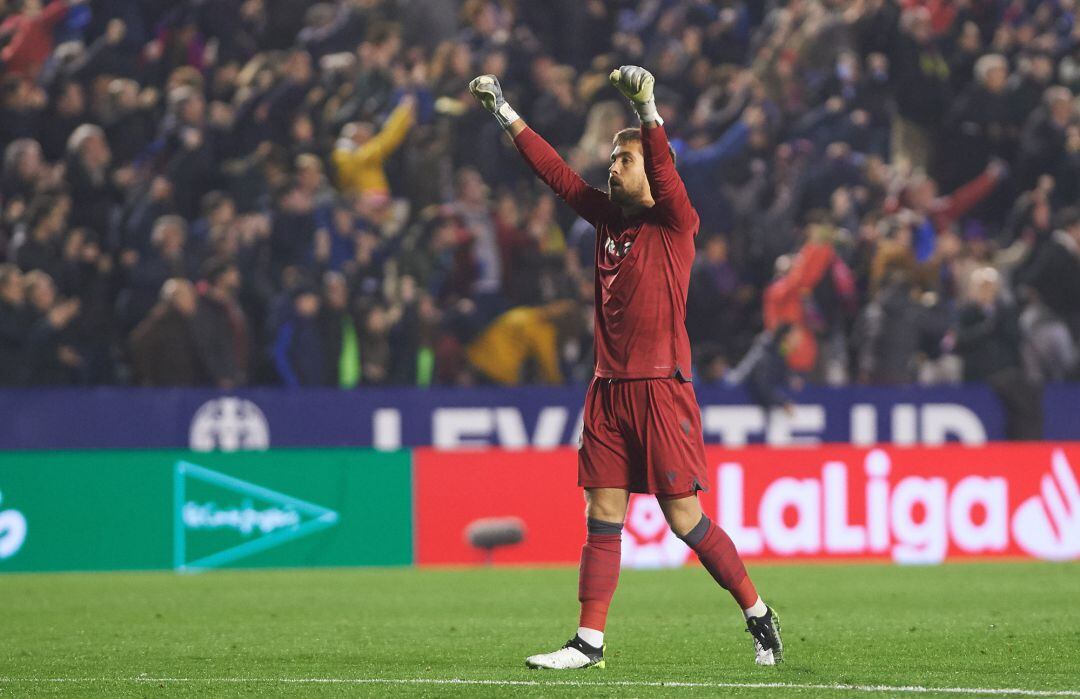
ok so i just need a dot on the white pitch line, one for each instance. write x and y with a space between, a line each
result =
905 689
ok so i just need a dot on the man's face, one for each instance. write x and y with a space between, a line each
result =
471 188
229 281
12 291
984 291
30 163
1061 111
72 100
627 184
185 301
1042 69
194 110
996 78
716 250
337 294
96 152
172 240
42 295
307 305
921 29
310 176
923 193
303 130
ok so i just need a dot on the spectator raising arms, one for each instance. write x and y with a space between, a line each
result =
345 214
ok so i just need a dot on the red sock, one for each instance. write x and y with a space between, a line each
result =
717 553
599 572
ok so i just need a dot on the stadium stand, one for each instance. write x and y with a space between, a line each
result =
260 192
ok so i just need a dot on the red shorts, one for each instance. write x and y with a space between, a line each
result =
643 435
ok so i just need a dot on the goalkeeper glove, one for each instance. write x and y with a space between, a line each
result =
637 84
486 89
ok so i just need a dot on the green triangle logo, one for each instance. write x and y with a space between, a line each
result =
218 519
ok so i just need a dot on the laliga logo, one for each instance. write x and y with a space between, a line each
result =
910 518
913 519
647 540
1049 526
229 424
12 531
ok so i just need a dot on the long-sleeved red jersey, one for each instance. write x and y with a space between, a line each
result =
642 261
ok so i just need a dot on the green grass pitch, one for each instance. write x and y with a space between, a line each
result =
969 625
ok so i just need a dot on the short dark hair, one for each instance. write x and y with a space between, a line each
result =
633 135
214 268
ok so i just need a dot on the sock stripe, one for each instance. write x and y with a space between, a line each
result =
599 526
694 536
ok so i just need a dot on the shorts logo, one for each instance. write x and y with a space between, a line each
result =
671 477
685 424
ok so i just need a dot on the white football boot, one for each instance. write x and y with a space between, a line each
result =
576 654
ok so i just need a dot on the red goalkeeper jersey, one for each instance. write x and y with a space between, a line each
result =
642 261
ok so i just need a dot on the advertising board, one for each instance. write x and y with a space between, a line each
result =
906 505
126 510
465 418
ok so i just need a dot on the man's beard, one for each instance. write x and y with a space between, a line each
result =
621 196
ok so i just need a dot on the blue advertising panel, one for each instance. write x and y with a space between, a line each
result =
205 420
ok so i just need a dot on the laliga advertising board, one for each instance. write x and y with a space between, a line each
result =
907 505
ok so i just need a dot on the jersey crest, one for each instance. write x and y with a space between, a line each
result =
618 249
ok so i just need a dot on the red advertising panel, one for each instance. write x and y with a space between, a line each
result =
453 489
908 505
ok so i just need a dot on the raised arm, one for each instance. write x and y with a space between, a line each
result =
730 145
668 190
672 204
393 132
349 159
589 203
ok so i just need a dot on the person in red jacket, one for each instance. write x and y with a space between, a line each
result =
642 426
940 211
785 298
31 32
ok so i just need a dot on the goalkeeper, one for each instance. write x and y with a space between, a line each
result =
642 425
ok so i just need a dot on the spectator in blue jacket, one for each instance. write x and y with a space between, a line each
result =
298 345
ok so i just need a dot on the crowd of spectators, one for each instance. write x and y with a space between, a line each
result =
251 192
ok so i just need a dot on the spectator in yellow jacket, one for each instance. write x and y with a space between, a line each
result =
521 335
359 153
